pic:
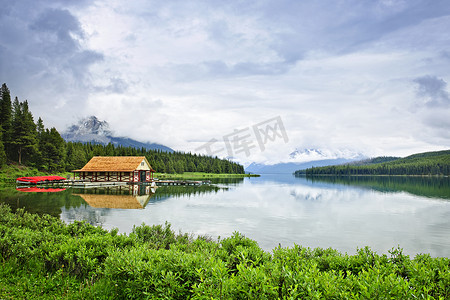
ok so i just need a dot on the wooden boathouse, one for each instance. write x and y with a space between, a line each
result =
131 169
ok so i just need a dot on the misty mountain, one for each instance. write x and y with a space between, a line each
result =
306 155
92 130
291 167
307 158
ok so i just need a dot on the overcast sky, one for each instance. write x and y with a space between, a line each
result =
359 76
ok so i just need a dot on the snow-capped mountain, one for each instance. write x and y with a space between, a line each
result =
89 129
307 158
92 130
305 155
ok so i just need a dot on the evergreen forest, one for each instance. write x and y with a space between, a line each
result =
26 142
428 163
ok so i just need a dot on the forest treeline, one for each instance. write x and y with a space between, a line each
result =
428 163
29 143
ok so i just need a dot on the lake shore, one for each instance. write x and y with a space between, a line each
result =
10 173
200 175
44 257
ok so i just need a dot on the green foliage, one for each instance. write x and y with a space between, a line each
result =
161 161
10 172
42 257
158 236
2 150
375 160
157 274
5 114
76 156
237 250
52 151
428 163
23 133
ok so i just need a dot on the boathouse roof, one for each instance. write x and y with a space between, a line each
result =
116 164
115 201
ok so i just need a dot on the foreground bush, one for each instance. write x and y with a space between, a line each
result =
42 257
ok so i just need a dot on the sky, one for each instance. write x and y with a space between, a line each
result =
252 80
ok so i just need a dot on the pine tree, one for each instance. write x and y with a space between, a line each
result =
52 150
23 137
75 156
2 151
40 127
5 116
40 131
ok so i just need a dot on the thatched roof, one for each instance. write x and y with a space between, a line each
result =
113 164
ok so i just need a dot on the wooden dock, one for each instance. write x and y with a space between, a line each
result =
96 184
89 184
180 182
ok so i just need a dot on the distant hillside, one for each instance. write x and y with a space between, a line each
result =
92 130
375 160
428 163
127 142
291 167
303 158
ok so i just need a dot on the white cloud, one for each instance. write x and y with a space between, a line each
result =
340 74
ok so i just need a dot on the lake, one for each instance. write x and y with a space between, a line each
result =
342 213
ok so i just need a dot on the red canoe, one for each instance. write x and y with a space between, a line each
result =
40 190
39 179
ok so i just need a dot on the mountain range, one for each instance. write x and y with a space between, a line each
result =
92 130
306 158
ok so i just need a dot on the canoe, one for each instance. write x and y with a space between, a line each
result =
40 190
39 179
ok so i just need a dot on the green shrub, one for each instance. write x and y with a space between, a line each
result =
159 274
238 249
42 257
158 236
82 228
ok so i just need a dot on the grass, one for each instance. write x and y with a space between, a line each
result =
200 175
9 173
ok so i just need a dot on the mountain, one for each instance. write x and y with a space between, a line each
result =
306 158
92 130
291 167
305 155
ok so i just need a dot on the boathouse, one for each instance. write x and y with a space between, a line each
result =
133 169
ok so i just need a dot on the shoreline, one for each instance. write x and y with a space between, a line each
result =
369 175
201 175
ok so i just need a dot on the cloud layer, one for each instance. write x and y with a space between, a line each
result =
369 77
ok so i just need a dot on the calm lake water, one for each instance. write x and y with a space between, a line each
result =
342 213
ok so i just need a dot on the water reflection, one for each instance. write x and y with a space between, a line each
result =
108 206
427 186
166 192
120 197
39 201
342 213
